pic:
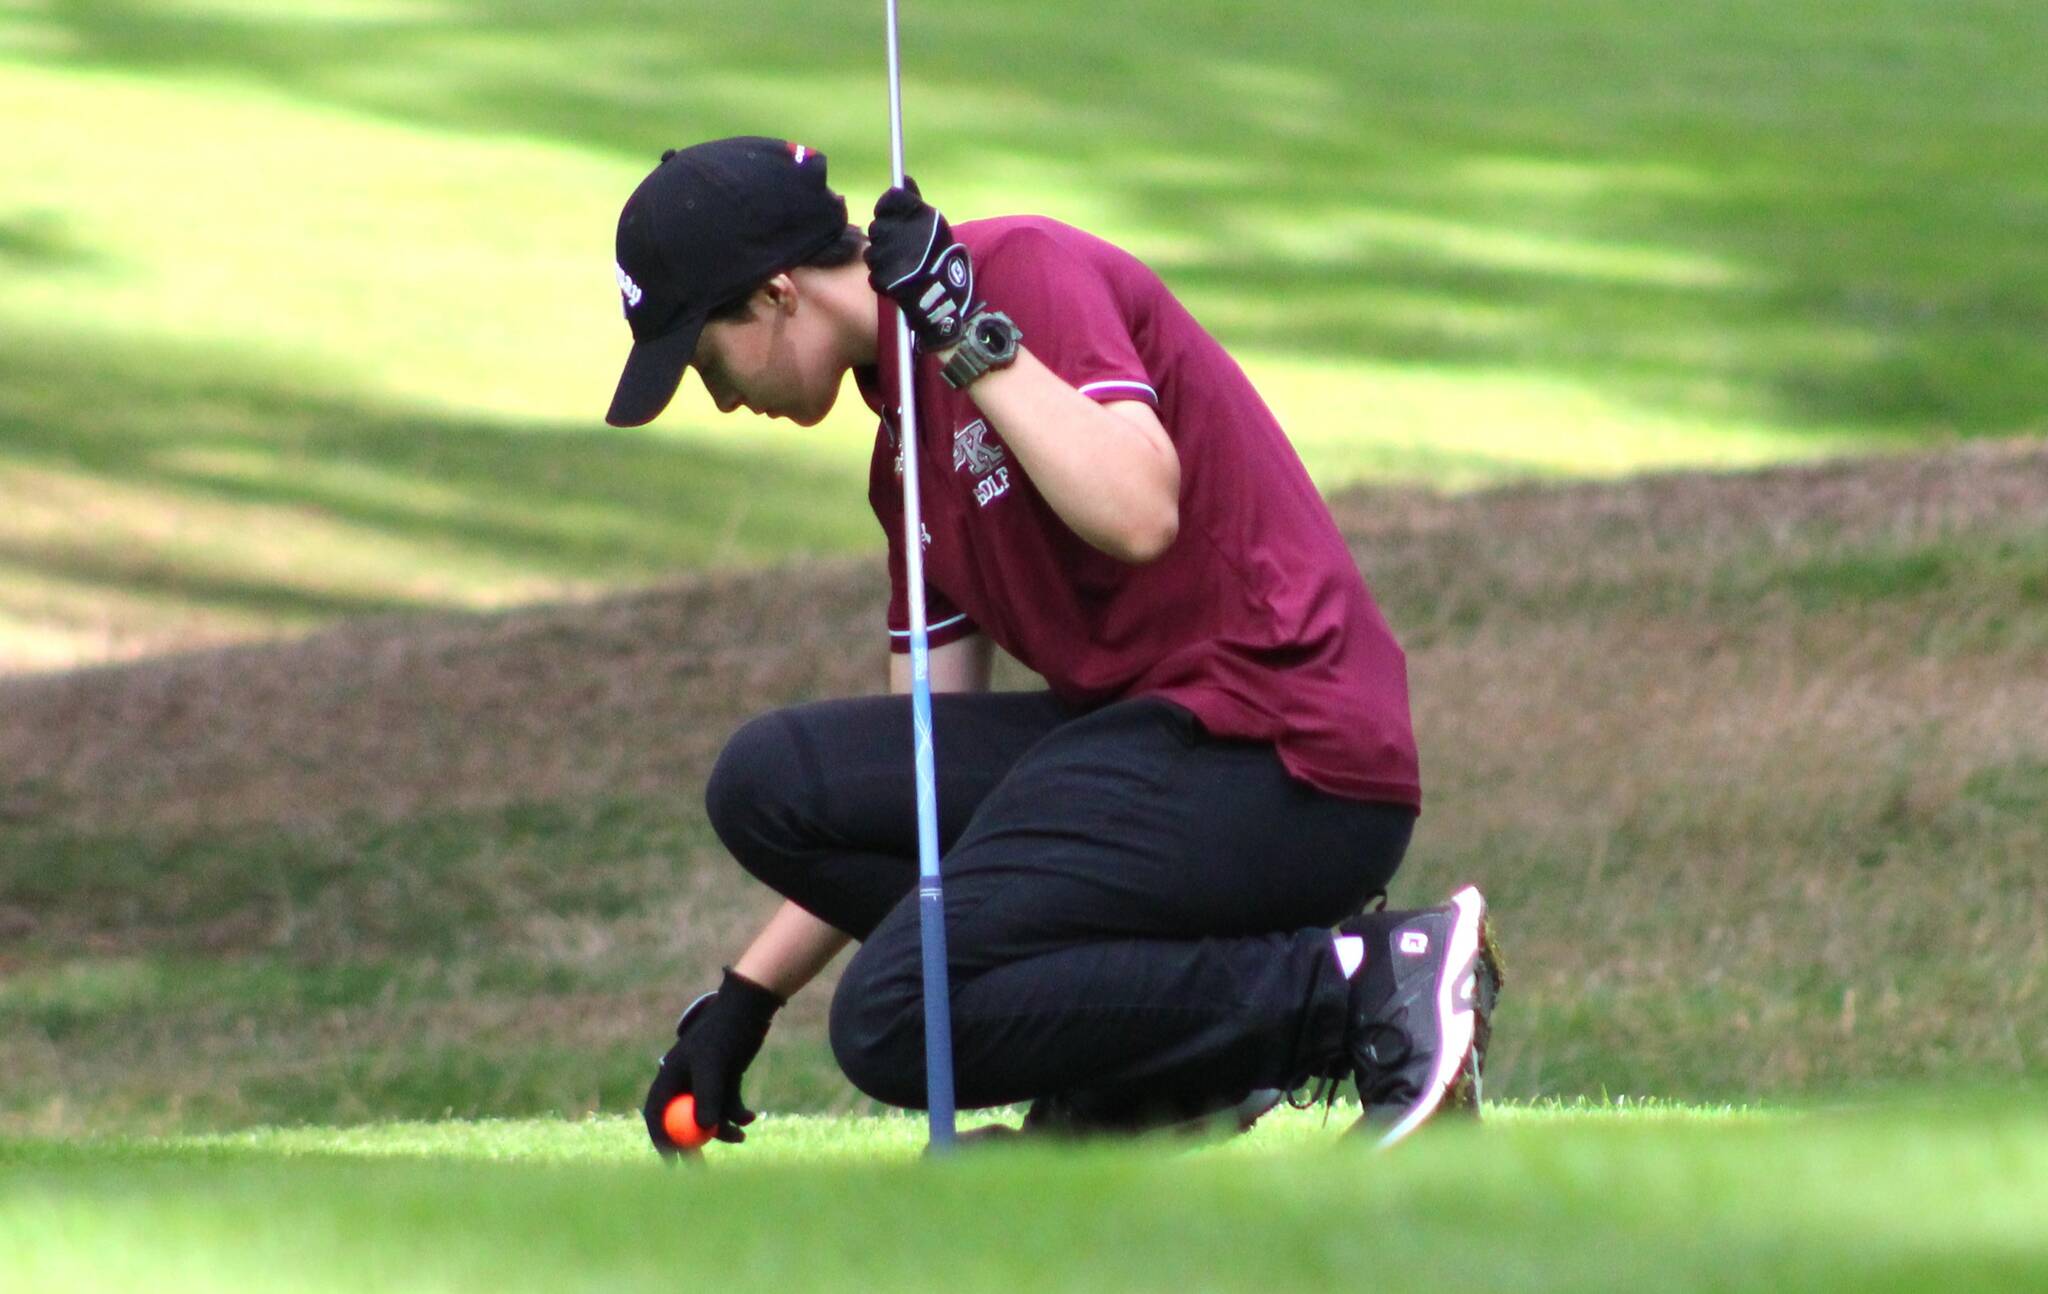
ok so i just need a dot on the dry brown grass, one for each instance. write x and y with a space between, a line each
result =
1755 768
394 717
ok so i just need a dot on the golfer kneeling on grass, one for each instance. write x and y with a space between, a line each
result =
1144 862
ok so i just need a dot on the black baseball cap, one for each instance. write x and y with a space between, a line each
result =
704 228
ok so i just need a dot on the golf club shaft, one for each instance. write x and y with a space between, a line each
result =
931 910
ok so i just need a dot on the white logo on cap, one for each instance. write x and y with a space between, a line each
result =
627 287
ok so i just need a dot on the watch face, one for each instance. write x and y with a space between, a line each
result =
995 336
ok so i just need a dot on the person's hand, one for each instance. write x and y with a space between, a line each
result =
717 1038
913 260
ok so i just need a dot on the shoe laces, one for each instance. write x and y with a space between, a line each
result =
1321 1090
1388 1047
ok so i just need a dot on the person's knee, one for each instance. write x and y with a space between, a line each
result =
748 795
877 1034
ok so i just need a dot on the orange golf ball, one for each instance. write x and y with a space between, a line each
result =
679 1121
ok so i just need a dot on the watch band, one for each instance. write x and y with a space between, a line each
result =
989 341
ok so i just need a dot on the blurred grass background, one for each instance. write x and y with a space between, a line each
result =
305 309
307 320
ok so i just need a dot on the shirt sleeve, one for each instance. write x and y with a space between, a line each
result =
1069 312
944 622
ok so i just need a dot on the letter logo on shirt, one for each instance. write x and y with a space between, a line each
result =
971 451
991 487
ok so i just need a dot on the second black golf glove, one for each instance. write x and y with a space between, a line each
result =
913 260
717 1038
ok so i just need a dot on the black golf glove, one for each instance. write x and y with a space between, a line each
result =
717 1038
913 260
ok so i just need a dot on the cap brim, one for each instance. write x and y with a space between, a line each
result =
654 370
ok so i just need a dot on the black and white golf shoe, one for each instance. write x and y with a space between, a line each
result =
1421 1013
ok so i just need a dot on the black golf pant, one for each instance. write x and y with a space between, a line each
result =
1136 911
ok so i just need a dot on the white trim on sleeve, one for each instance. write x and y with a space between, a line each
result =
1120 385
930 629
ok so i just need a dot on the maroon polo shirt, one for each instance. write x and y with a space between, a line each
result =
1255 619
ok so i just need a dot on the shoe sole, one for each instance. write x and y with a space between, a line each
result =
1464 1097
1471 971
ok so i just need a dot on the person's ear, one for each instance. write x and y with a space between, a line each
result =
780 294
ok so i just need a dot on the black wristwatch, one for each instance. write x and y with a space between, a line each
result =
989 341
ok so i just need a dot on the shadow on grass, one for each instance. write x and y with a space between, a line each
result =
141 574
437 510
40 240
1757 212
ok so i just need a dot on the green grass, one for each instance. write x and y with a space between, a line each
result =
1902 1198
334 335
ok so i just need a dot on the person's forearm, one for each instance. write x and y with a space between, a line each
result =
1115 484
790 951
